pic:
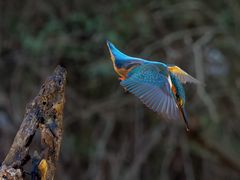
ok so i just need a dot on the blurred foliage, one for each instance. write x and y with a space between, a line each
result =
107 130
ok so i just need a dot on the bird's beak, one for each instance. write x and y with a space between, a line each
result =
110 48
185 117
110 45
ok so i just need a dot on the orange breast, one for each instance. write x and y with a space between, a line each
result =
179 101
123 72
174 90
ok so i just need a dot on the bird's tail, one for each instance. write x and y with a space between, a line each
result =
185 118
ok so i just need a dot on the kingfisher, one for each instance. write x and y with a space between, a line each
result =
156 84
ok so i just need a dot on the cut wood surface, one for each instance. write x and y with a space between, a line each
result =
44 113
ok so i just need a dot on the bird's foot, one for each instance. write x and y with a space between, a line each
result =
121 78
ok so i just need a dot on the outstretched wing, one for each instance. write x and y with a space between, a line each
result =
153 89
182 75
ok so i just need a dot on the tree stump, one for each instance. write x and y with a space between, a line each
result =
44 113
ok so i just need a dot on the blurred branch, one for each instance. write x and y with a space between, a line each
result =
227 158
188 165
145 148
172 37
188 6
235 7
46 113
199 68
170 150
116 161
94 171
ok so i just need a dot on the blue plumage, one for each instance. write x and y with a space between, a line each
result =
122 60
179 88
152 88
156 84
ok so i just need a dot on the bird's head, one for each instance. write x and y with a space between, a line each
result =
122 63
115 53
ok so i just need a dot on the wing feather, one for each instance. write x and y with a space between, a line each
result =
182 75
153 89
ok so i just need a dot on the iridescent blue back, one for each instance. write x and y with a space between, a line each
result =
179 88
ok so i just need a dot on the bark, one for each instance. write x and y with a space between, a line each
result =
44 113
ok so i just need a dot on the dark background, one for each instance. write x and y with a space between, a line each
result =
110 134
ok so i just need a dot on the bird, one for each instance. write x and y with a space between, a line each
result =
158 85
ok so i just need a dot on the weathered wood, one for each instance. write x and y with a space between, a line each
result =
46 113
10 173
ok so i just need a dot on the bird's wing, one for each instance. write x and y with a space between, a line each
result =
182 75
153 89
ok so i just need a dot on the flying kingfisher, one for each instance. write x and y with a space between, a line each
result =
157 85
